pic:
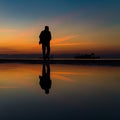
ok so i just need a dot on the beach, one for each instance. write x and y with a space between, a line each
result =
109 62
74 91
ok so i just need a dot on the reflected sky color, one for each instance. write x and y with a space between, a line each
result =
78 26
84 91
20 75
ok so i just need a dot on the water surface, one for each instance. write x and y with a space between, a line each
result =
75 92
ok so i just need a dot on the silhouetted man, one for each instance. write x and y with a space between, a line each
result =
45 37
45 81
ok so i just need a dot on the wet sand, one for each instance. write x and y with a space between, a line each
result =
109 62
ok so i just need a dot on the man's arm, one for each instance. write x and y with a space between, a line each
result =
40 37
50 35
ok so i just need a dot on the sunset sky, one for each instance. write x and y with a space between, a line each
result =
77 26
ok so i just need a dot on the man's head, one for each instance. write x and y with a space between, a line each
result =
47 28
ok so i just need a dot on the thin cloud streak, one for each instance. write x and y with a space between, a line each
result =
64 39
7 30
8 87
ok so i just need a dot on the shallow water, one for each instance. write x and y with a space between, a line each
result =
75 92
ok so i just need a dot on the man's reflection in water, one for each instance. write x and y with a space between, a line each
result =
45 81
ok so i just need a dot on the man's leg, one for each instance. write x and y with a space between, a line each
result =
48 51
43 50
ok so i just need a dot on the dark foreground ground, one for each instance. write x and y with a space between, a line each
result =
111 62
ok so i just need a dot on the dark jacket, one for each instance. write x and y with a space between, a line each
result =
45 37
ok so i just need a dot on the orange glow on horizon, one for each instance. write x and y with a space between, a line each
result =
25 41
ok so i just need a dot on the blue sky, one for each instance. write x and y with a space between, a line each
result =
88 19
35 9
